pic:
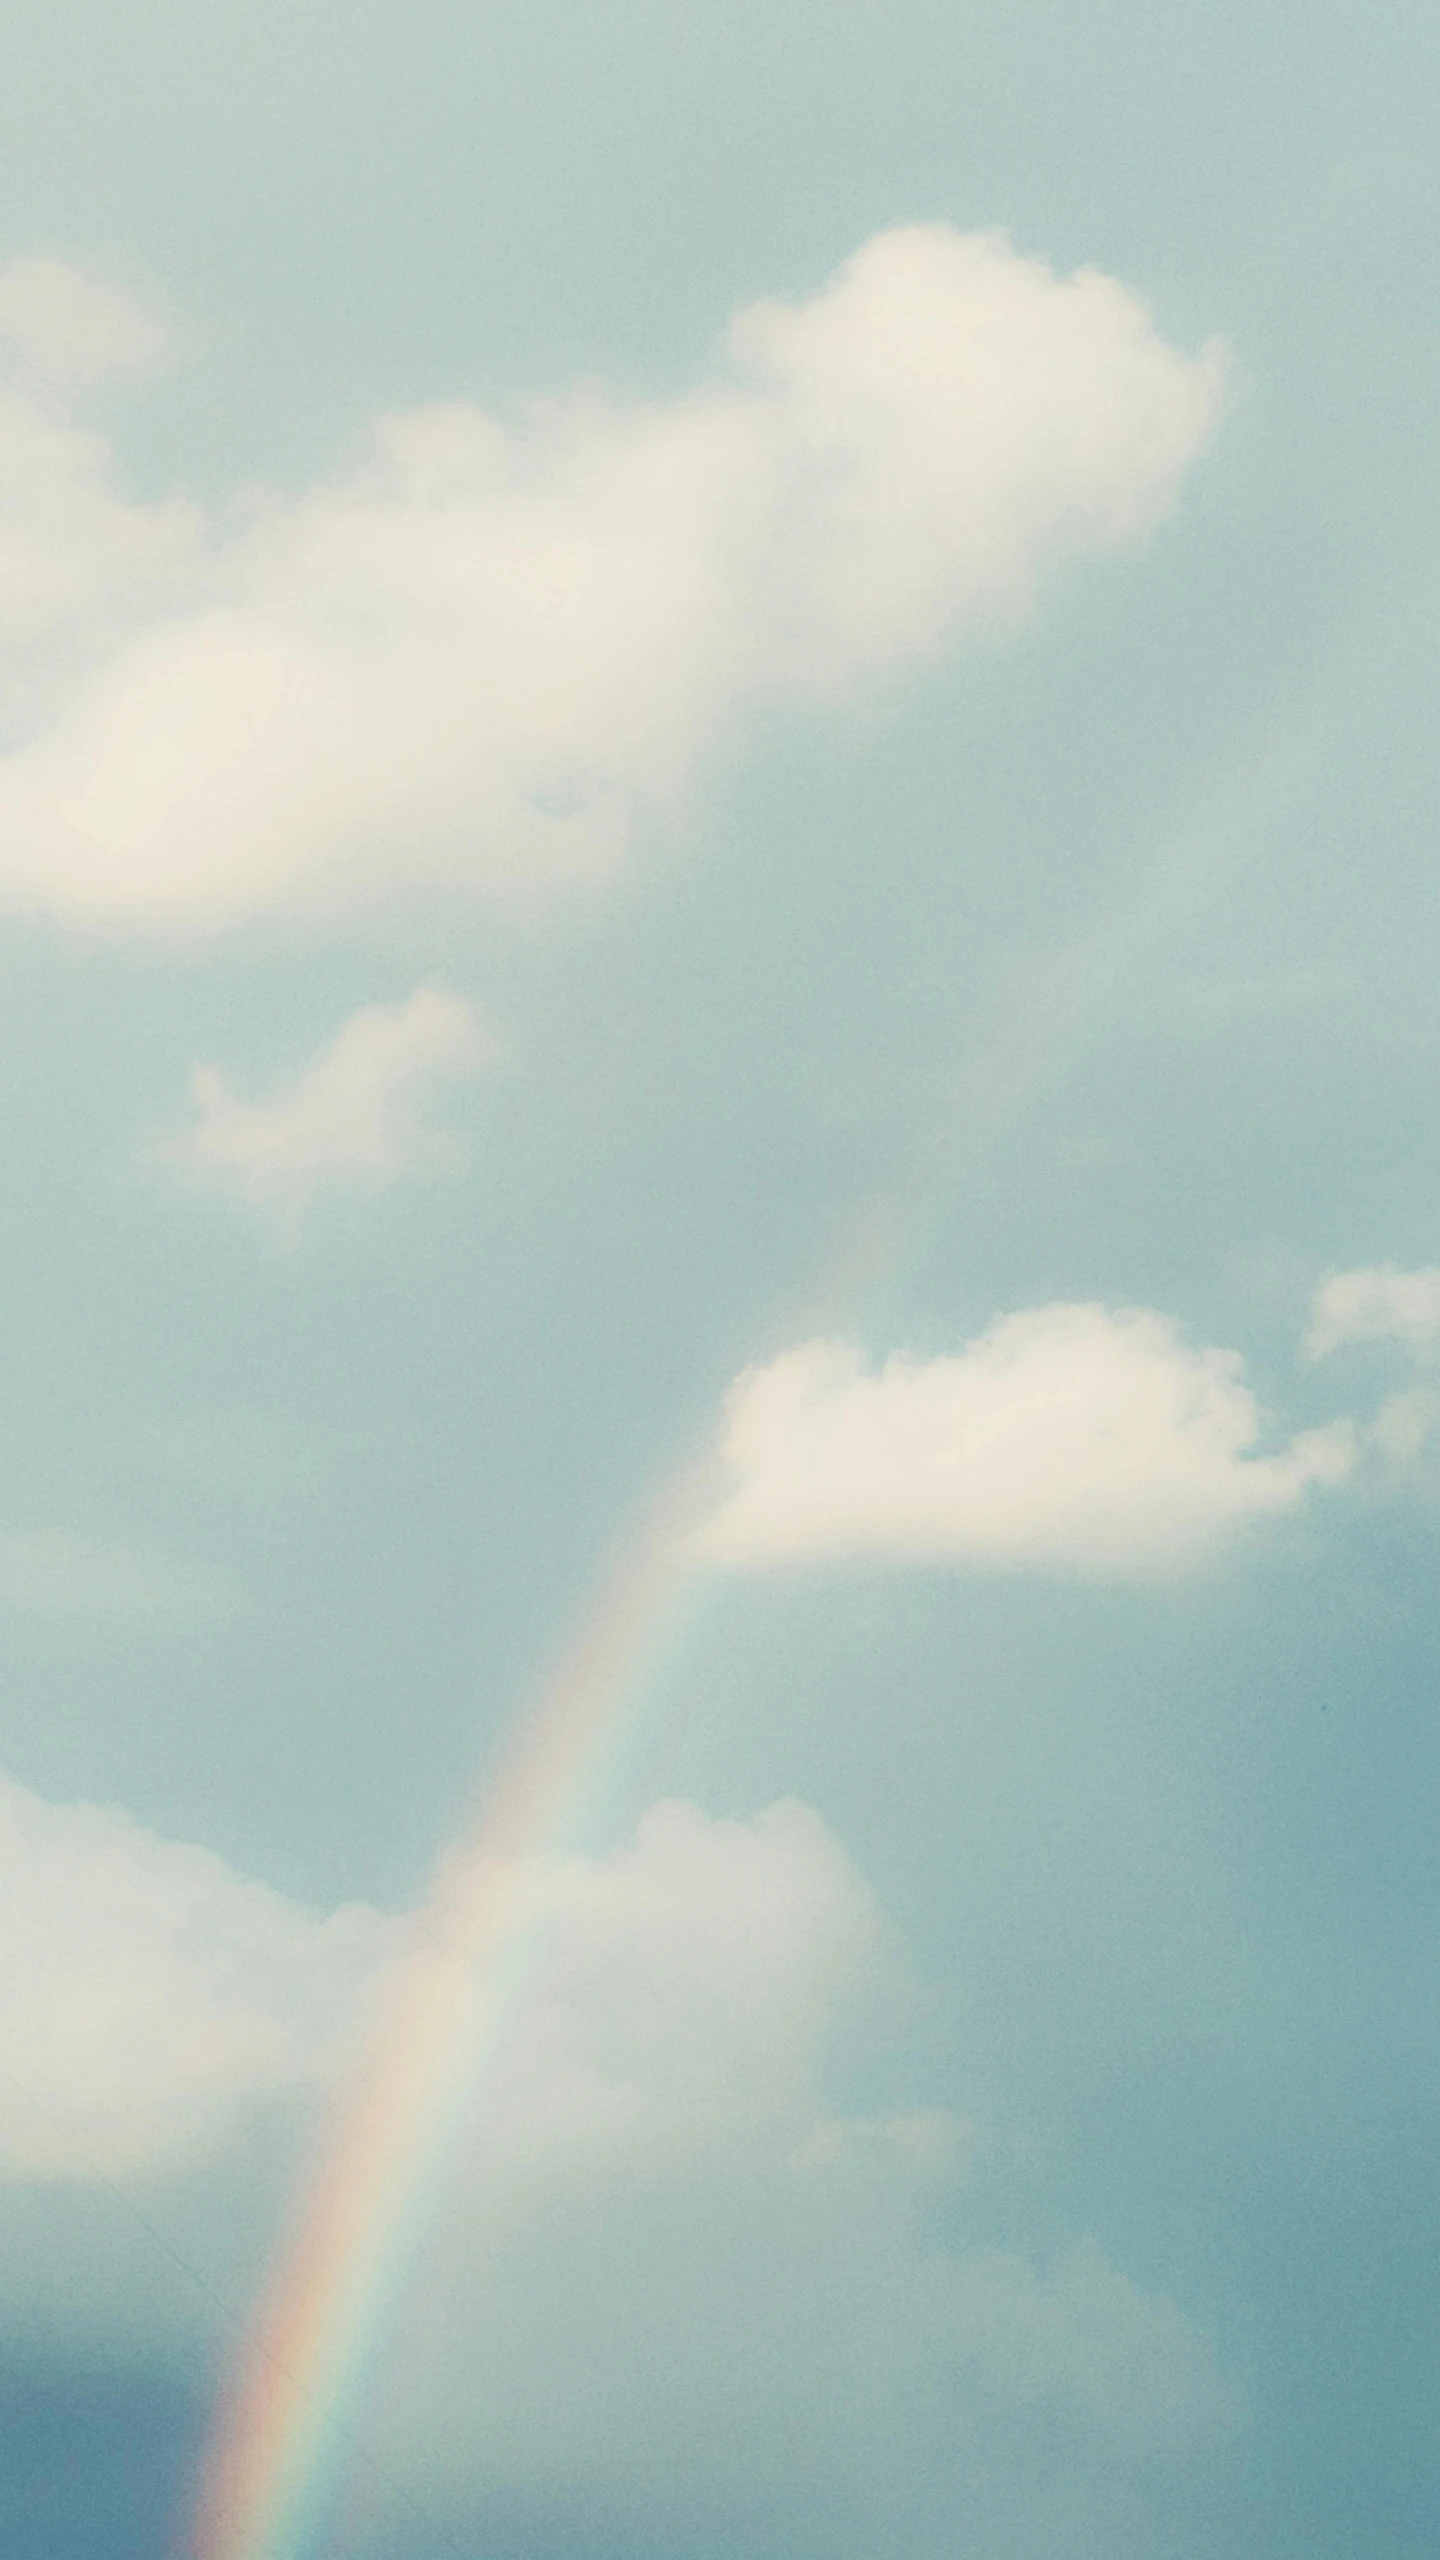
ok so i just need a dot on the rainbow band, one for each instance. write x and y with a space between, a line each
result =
280 2430
280 2435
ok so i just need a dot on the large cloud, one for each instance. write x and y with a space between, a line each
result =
672 2277
486 653
674 2286
677 1996
1068 1438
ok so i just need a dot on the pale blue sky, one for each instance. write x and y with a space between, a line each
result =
1090 962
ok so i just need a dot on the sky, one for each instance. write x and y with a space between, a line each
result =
722 1392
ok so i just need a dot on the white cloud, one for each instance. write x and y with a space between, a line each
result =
358 1118
667 2259
61 330
684 1987
1381 1304
1406 1424
149 1996
47 1574
485 655
668 2264
679 1990
80 564
1069 1438
1129 2361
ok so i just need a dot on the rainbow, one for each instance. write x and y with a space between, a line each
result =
279 2437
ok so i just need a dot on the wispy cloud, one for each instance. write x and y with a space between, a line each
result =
481 657
44 1573
358 1119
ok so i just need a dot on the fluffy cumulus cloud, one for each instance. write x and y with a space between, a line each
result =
679 1991
672 2282
685 1987
484 655
1066 1438
667 2259
359 1118
150 1996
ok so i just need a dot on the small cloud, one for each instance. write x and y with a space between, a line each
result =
1380 1304
64 330
82 565
1406 1424
358 1119
49 1575
1068 1438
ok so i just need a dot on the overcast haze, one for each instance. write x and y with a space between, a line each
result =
717 742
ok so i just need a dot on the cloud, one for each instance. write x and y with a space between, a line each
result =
723 2352
358 1118
1081 2331
485 655
1384 1304
47 1574
1406 1424
668 2259
64 331
684 1988
680 1989
81 565
149 1996
673 2280
686 2003
1381 1304
1067 1438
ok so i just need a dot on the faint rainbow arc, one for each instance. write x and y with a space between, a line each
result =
442 2006
448 1995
